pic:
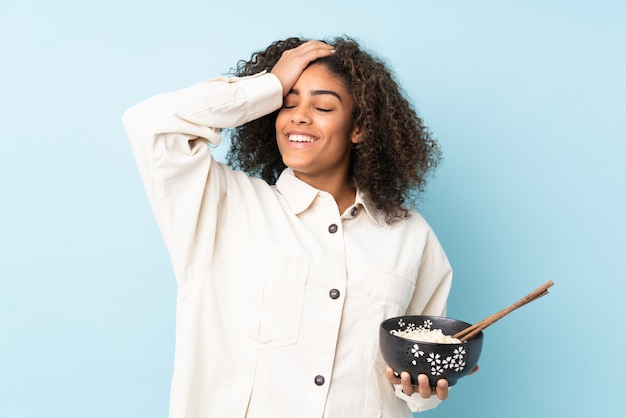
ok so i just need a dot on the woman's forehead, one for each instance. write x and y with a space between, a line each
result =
318 79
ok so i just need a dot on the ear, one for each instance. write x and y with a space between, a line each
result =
356 135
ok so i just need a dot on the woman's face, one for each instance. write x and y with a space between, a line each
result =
314 128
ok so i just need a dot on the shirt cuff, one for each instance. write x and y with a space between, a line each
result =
415 402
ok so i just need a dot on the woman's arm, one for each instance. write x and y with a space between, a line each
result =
169 135
163 129
429 298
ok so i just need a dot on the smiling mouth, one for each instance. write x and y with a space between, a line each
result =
301 138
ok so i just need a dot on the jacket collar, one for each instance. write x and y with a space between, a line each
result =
300 195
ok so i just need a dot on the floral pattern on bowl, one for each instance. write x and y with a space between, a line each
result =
437 360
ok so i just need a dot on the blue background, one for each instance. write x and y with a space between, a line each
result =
526 98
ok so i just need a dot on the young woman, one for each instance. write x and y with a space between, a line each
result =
288 258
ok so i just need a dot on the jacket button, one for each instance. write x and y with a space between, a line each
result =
319 380
334 294
332 228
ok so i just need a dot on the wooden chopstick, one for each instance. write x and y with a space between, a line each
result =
472 330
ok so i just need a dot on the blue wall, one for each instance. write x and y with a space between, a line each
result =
526 98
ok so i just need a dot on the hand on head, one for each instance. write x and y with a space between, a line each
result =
294 61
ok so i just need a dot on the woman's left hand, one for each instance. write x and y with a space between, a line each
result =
423 387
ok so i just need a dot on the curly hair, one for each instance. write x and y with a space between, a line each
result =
396 152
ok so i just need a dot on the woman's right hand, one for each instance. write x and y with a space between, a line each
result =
294 61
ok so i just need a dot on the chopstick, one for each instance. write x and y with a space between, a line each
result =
472 330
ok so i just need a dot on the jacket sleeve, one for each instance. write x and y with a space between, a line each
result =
433 282
170 134
430 298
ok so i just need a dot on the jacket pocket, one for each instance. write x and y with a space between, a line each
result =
270 288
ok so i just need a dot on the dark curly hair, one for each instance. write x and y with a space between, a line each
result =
396 152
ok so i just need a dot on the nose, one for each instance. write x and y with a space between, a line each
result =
300 116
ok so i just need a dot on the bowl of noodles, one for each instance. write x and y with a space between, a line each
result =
422 344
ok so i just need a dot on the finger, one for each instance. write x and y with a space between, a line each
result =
392 376
474 370
424 388
407 385
442 389
307 52
312 46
